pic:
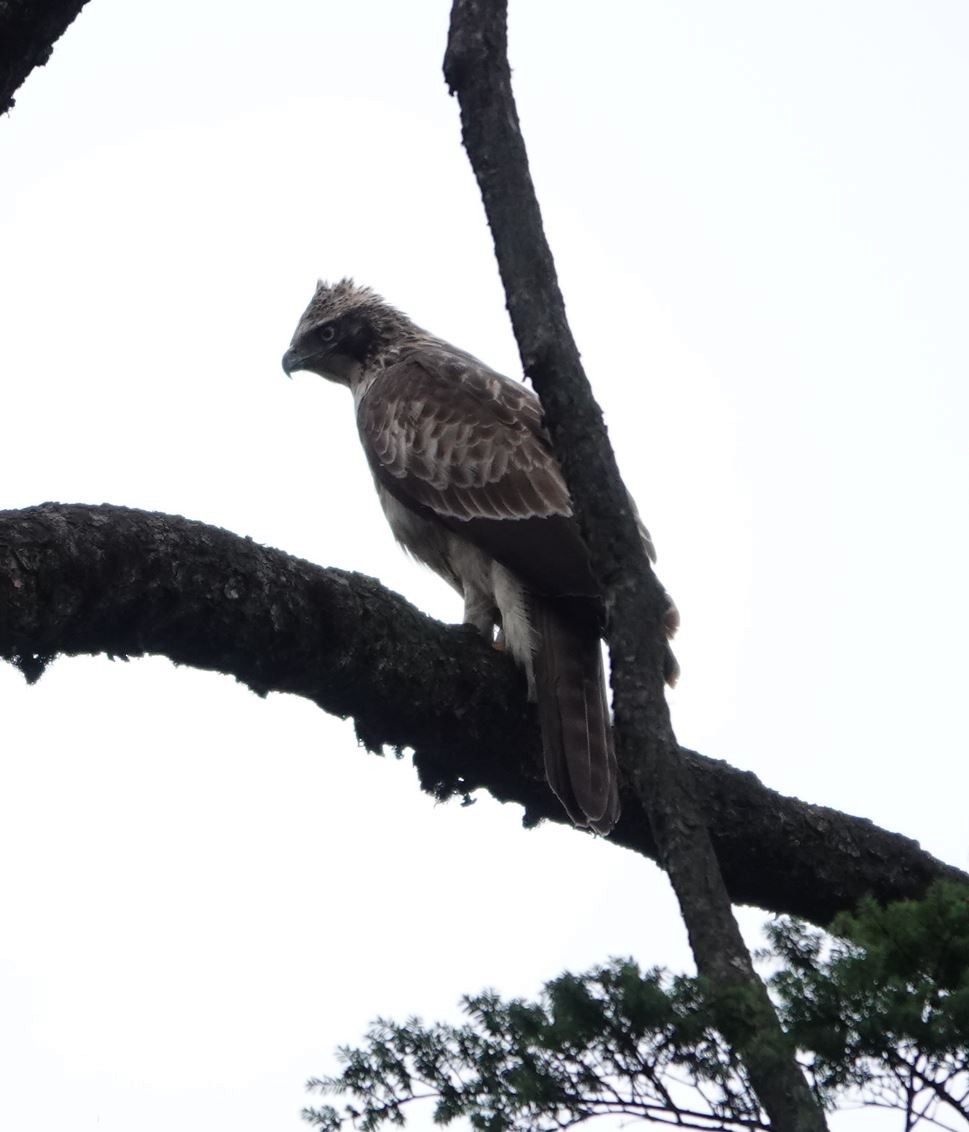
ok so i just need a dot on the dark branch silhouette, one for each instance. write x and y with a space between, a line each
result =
477 71
28 31
79 579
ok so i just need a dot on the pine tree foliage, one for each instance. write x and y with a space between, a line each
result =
883 1007
879 1011
614 1040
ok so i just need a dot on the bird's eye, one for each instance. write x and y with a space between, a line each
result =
326 333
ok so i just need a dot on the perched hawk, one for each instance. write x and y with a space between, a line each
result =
469 485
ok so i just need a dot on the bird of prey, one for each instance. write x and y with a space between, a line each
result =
468 482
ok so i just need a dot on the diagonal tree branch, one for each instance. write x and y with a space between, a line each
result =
80 579
28 31
477 71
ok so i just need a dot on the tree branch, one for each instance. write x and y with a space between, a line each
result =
28 31
78 579
476 70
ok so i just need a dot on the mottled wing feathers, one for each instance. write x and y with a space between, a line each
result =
466 441
449 437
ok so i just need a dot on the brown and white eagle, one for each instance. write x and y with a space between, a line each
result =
468 482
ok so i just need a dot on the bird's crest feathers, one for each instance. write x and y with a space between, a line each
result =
332 300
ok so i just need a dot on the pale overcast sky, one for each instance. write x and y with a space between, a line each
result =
760 220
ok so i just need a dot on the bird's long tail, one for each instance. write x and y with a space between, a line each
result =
573 710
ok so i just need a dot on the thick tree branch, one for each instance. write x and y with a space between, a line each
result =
477 71
28 31
79 579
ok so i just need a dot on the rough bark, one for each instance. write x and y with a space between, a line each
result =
79 579
28 31
477 71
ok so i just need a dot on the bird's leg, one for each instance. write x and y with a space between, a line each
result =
515 628
479 611
501 642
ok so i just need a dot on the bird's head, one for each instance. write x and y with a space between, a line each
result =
342 330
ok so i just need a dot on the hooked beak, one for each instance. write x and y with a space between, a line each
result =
292 361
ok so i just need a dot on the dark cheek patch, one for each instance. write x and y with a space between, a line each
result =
356 339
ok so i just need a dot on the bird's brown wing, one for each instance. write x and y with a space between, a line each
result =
453 440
